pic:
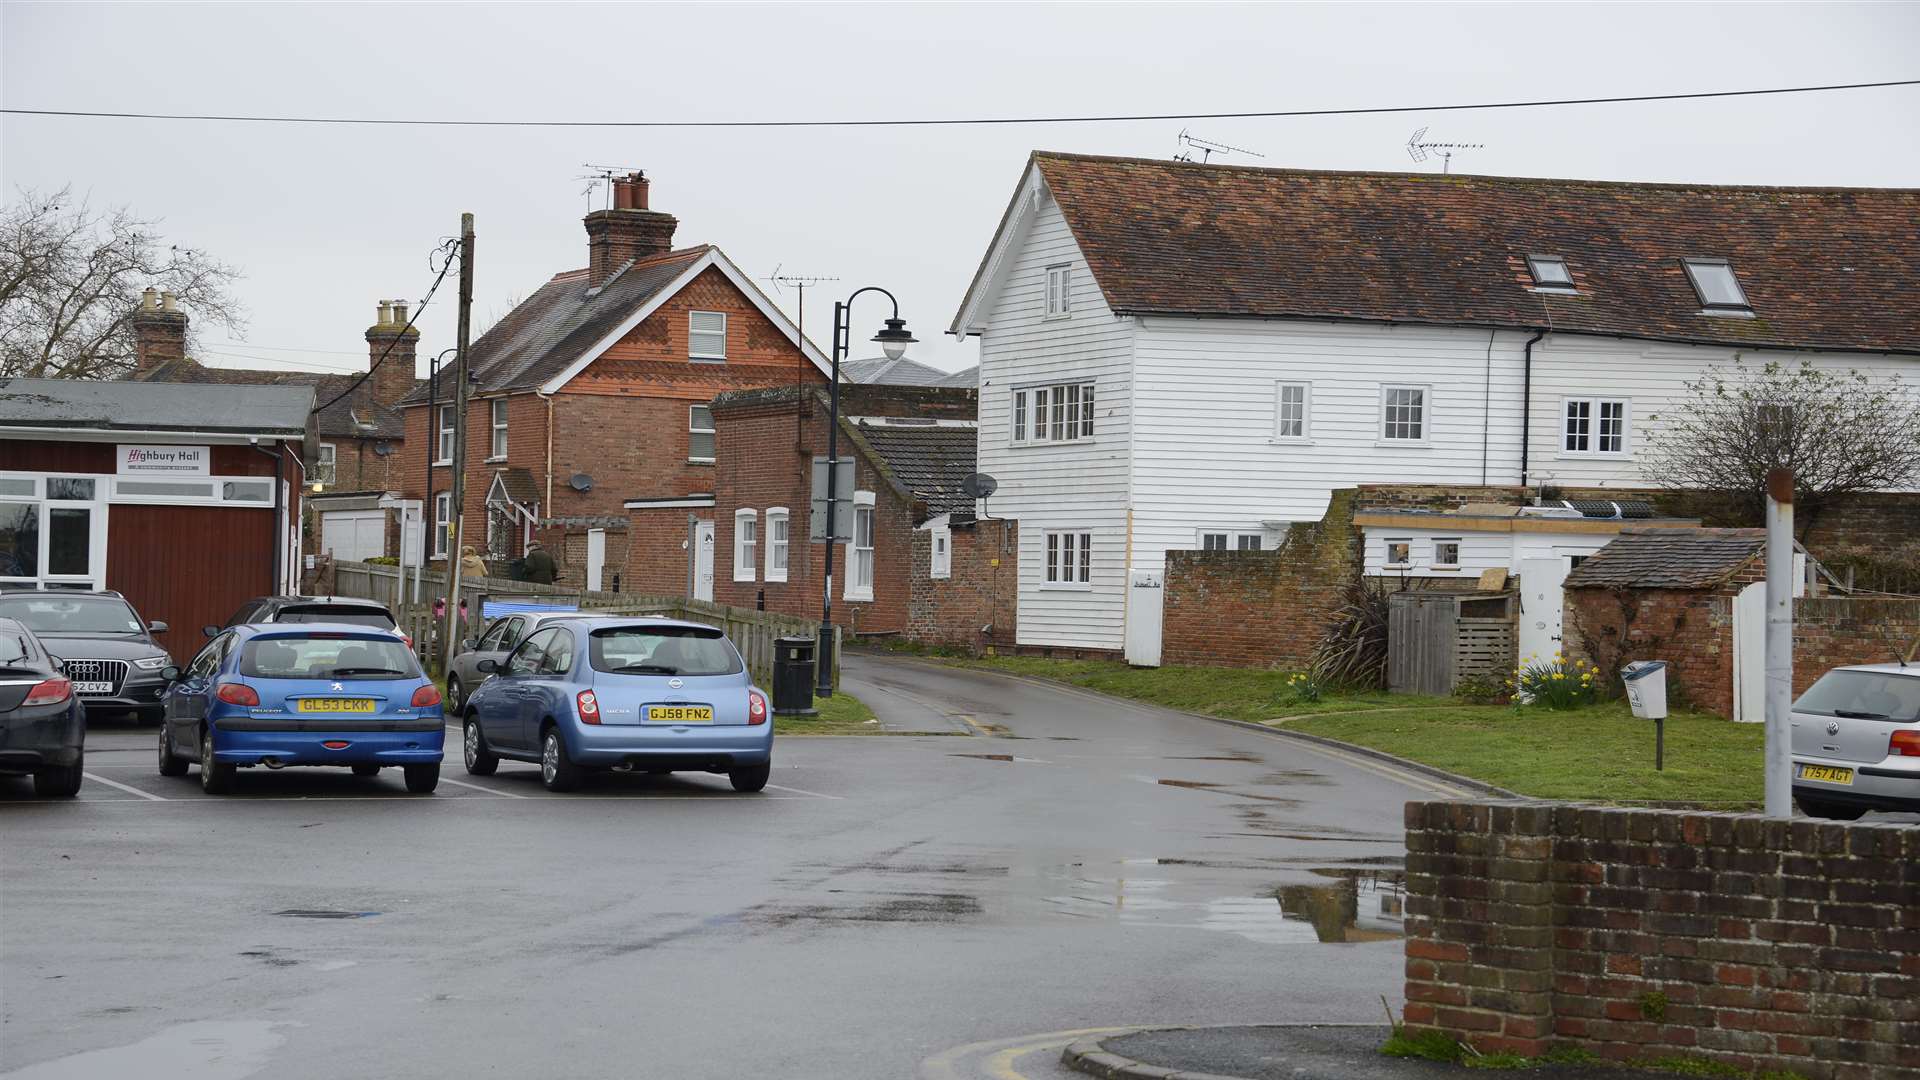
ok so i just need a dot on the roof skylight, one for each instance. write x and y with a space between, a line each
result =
1714 281
1550 272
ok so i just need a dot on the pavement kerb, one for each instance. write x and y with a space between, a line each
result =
1395 760
1091 1056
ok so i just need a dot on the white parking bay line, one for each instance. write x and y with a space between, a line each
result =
97 778
488 790
797 791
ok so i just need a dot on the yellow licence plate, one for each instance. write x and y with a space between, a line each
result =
680 714
1826 773
334 704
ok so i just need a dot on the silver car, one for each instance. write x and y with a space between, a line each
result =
494 643
1856 742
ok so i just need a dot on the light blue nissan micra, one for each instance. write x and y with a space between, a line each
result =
652 695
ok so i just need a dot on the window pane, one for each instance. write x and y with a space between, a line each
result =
19 539
1249 543
1053 557
1056 429
68 487
700 429
1020 417
1213 541
1613 427
1549 271
1086 411
1716 284
1086 557
707 334
1404 413
1579 421
247 490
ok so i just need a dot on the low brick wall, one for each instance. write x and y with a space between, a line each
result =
1654 933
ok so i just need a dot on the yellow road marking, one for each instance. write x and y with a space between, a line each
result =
941 1066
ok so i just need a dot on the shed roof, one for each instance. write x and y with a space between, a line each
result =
347 397
277 411
928 461
1669 559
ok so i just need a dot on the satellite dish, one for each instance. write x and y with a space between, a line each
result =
979 486
382 449
580 482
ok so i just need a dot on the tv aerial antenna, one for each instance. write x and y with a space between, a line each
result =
1419 149
800 283
600 178
1207 148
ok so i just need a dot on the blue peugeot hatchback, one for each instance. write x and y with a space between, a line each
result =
654 695
282 694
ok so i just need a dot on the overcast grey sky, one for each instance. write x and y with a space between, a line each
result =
324 221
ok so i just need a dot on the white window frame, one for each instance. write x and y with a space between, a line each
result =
861 561
1066 559
442 518
1426 415
1050 413
1696 267
746 544
1594 433
497 421
1386 552
782 546
692 430
1231 539
1225 538
940 553
694 351
1059 291
1305 434
445 443
1438 563
326 465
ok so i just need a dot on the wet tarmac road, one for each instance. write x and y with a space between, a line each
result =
889 907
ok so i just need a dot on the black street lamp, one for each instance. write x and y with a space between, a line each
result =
893 341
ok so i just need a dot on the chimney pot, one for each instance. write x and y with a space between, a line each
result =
627 232
150 299
637 191
400 312
167 302
385 316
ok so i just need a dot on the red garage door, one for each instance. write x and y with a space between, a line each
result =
189 566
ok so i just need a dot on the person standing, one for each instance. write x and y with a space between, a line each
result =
540 565
472 566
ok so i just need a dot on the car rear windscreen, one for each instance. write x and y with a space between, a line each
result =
352 615
662 650
1863 695
327 656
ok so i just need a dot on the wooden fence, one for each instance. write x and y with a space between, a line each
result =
1436 639
752 632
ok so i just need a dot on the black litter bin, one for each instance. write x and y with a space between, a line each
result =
793 676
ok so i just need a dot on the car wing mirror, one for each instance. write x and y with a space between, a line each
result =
210 630
469 644
58 664
488 665
170 673
156 627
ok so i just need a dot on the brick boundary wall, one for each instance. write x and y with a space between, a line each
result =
1756 942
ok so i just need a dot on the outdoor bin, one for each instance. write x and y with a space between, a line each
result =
1647 688
793 676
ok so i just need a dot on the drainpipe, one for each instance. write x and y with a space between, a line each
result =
1526 408
548 500
279 511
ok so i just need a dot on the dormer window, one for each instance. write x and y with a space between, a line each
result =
1550 272
1714 281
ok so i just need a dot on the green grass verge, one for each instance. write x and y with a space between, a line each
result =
1434 1046
841 714
1600 753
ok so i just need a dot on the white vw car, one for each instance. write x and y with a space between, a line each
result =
1856 742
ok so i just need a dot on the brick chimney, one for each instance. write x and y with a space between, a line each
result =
159 331
627 232
395 375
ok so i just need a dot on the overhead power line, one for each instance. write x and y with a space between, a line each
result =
963 121
449 248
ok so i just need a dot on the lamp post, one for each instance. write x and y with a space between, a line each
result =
893 340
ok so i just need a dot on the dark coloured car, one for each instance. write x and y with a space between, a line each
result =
106 649
311 609
43 726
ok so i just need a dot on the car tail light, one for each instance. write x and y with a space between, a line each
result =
408 638
589 707
756 708
234 693
1903 743
425 696
50 692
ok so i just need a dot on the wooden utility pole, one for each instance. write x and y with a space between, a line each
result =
450 640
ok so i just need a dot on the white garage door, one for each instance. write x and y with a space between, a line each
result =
354 535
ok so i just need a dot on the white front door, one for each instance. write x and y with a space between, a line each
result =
1542 605
596 557
703 561
1146 596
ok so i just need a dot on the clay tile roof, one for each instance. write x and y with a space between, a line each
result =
563 319
1669 559
929 461
344 417
1828 268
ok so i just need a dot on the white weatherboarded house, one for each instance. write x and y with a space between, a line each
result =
1176 355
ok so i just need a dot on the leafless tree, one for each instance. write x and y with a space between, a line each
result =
1840 433
71 277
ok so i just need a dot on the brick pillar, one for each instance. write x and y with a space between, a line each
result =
396 374
159 331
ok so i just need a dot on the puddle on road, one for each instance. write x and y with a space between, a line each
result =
1345 906
212 1050
305 913
931 907
1225 755
985 757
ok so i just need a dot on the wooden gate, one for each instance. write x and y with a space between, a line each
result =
1434 640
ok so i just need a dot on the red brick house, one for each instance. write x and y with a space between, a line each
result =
922 565
589 426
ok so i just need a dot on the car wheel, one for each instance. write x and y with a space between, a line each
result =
456 694
216 777
366 768
752 778
1832 811
557 770
422 779
171 764
59 781
480 761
